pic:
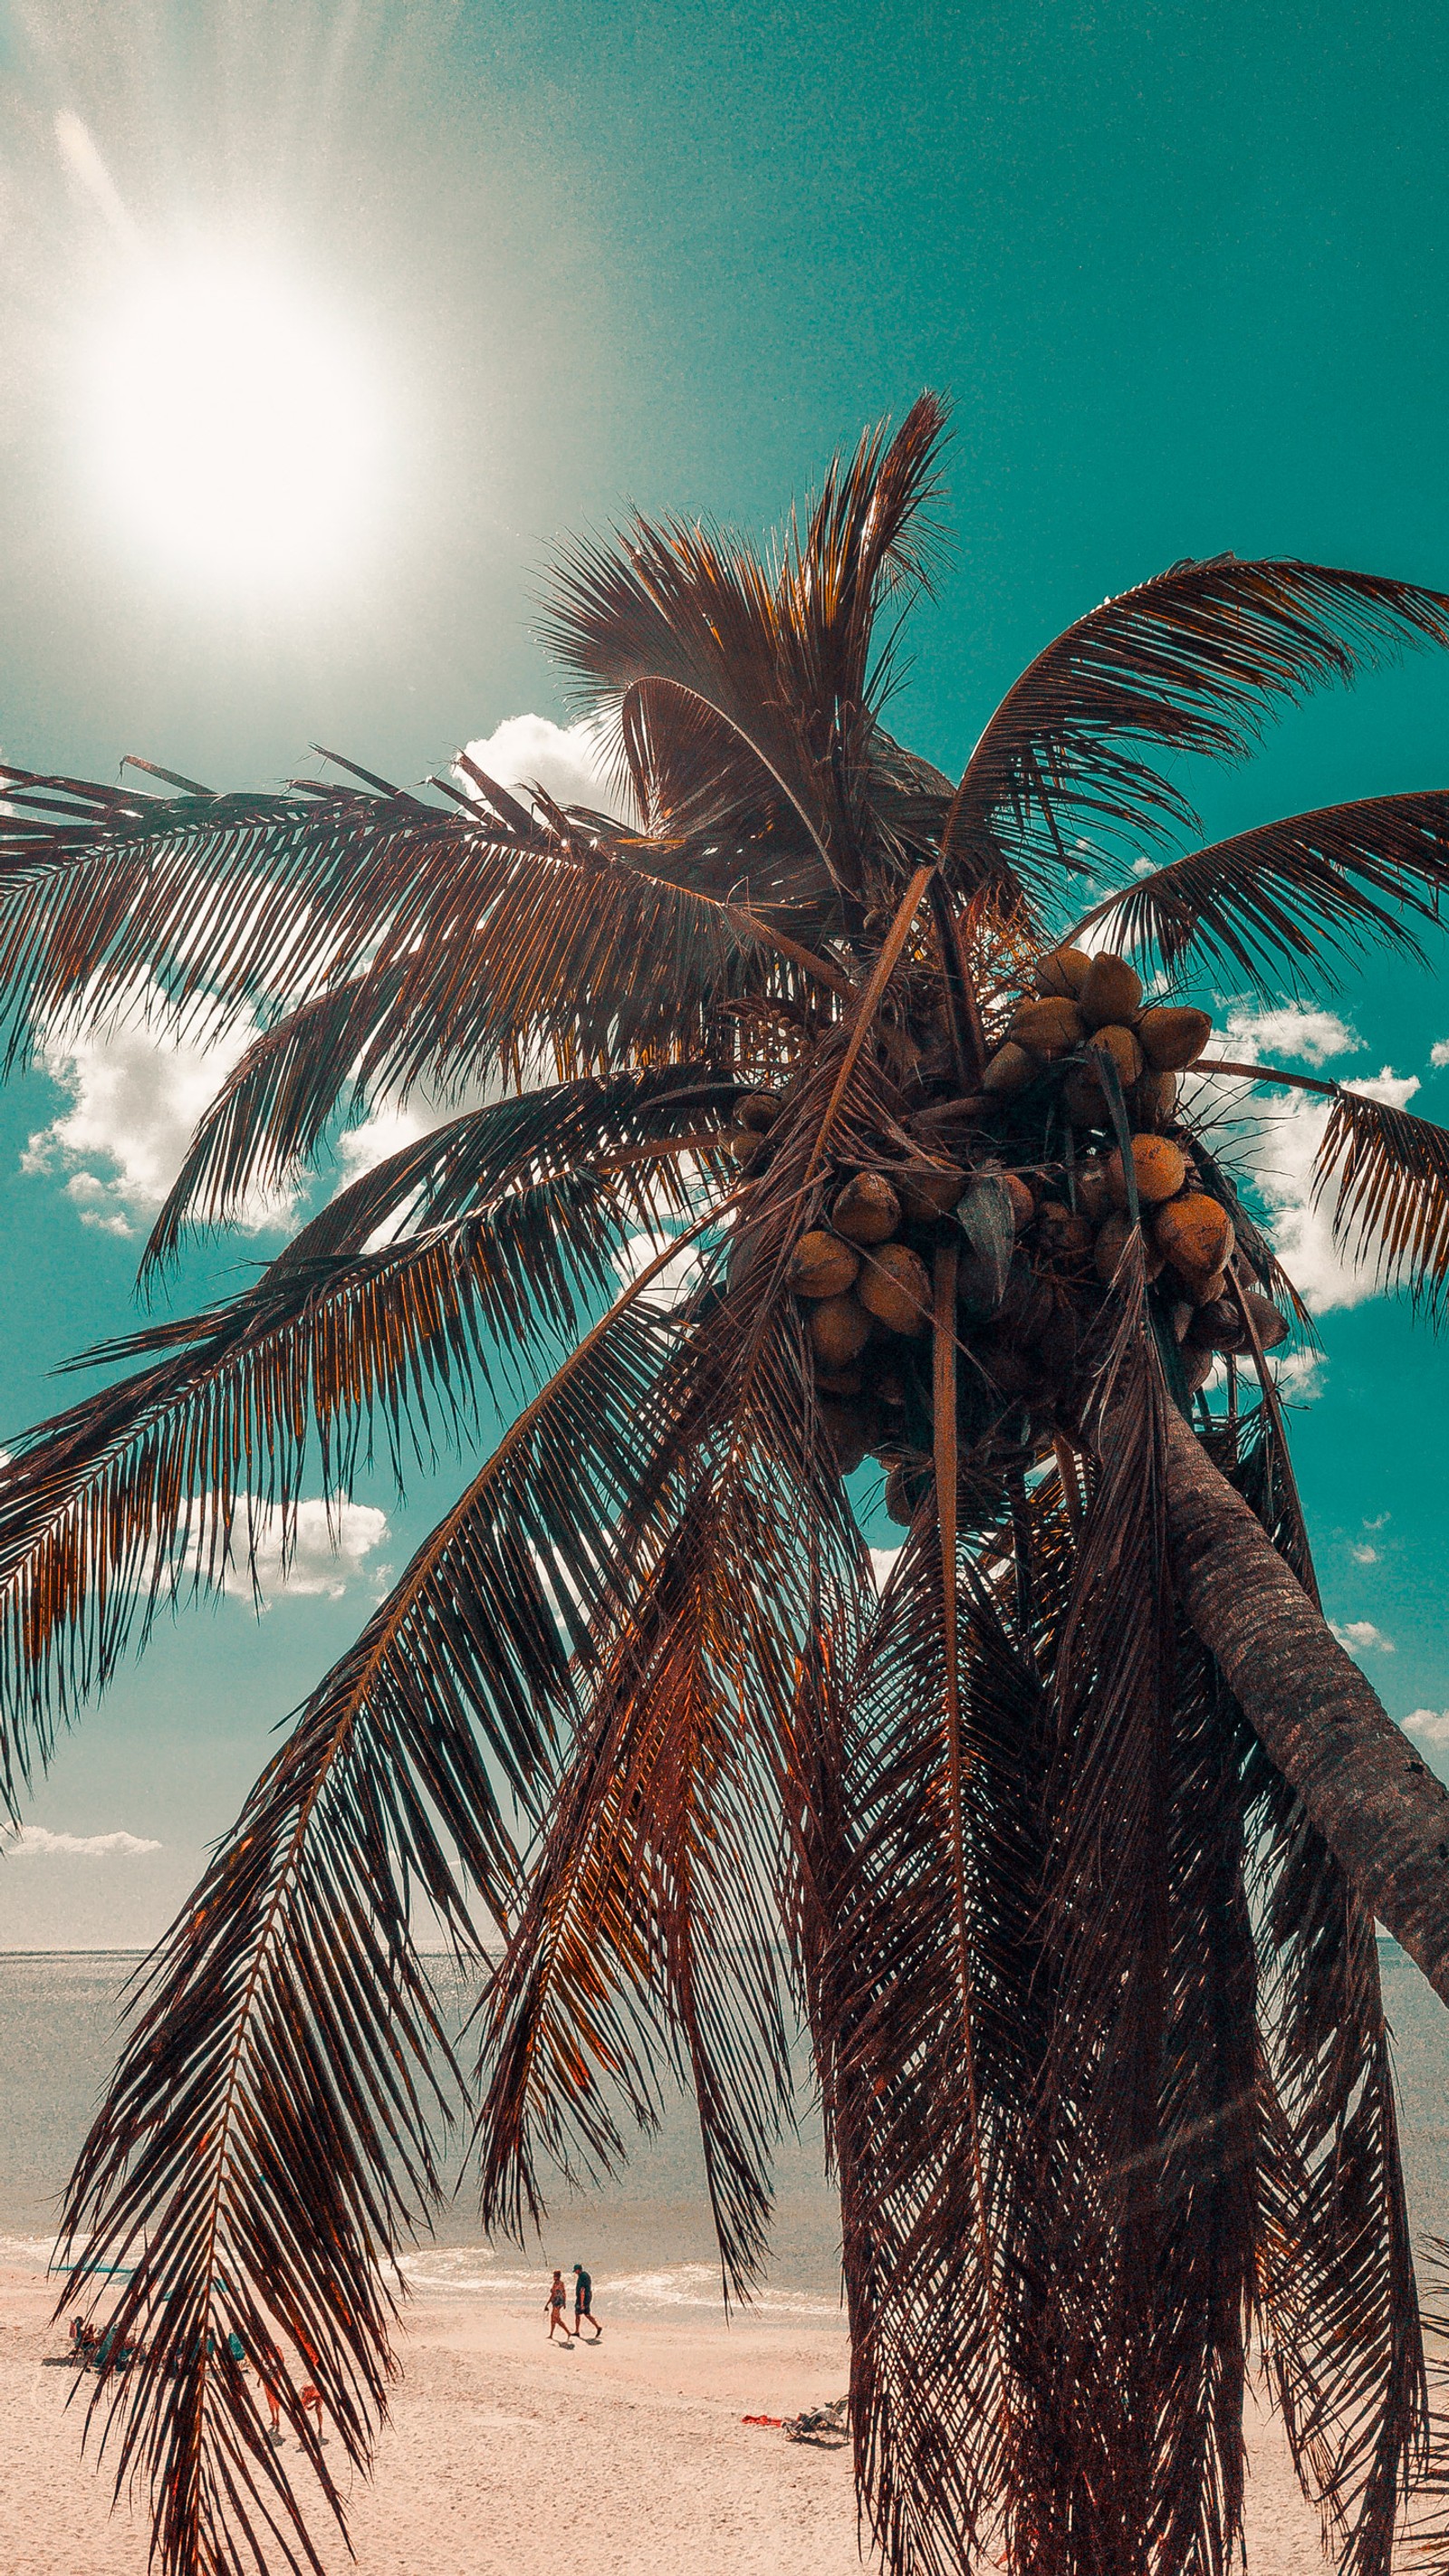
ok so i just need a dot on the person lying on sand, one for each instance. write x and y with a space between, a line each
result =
584 2303
554 2303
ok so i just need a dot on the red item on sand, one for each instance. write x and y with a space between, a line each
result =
776 2422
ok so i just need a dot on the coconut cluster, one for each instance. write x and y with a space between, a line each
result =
1027 1179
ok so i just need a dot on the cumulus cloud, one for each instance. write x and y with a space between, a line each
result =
1431 1725
1361 1637
36 1842
1439 1052
674 1282
1364 1554
321 1553
568 762
1303 1035
1302 1233
136 1091
883 1560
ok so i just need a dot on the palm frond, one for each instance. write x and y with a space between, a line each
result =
1392 1171
155 1486
274 1107
747 693
1293 893
1188 662
265 2144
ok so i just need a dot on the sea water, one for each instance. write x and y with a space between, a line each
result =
646 2235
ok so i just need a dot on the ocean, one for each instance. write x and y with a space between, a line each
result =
646 2237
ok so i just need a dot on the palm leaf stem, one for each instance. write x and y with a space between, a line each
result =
1268 1073
869 1003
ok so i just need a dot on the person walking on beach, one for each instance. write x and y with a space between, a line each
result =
584 2303
269 2374
554 2303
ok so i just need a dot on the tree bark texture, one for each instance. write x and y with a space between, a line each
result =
1382 1812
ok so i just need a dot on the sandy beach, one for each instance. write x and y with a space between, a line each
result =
506 2458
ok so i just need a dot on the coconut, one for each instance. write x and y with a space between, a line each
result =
1051 1027
1122 1047
747 1148
1011 1372
1111 992
926 1190
758 1109
1197 1368
867 1210
1023 1205
1112 1239
839 1330
895 1287
1010 1069
849 1428
1158 1166
1271 1327
839 1381
1172 1038
1062 1235
821 1265
1152 1102
1194 1232
1063 972
1094 1196
905 1490
1082 1099
1218 1326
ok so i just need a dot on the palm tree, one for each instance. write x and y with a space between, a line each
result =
1068 1843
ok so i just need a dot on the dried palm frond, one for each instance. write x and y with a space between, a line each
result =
1292 893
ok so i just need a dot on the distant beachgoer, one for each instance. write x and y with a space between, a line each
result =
554 2303
584 2303
311 2396
269 2372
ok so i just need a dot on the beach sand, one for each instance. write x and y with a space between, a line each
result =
504 2458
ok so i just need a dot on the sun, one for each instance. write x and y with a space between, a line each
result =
234 425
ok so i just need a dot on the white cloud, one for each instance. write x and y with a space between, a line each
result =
569 762
319 1553
1310 1037
883 1560
136 1091
1361 1637
36 1842
1439 1052
1431 1725
1302 1233
1364 1555
674 1282
1298 1375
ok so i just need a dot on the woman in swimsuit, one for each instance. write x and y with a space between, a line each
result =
554 2303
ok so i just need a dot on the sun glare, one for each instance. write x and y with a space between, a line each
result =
235 429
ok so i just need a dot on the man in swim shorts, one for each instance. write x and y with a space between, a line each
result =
584 2303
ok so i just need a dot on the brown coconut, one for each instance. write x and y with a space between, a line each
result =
821 1265
1010 1069
1062 1235
867 1210
895 1287
758 1109
1173 1037
1122 1047
1218 1326
1010 1370
839 1330
1094 1194
1111 992
839 1381
849 1428
1110 1244
898 1497
1272 1328
1194 1233
1158 1166
747 1148
1023 1205
1197 1368
1152 1102
1050 1027
929 1189
1063 973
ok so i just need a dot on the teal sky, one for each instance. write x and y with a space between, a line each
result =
1181 273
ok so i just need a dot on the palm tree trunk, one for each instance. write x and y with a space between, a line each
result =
1383 1814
